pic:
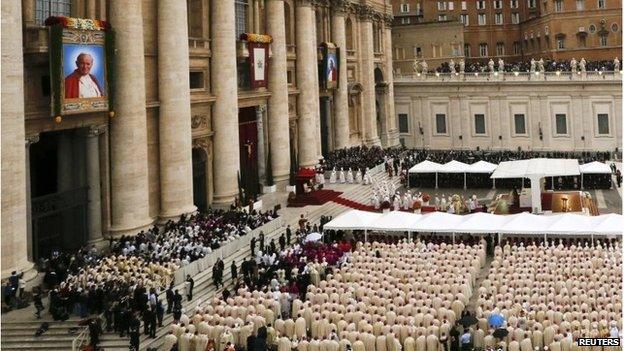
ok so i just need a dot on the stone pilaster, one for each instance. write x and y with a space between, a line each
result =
393 132
30 139
128 129
369 118
307 75
94 195
13 187
278 86
225 108
260 110
91 8
175 139
341 97
28 12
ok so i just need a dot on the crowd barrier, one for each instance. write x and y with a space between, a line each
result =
225 250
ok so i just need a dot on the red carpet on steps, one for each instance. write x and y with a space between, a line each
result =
318 197
353 204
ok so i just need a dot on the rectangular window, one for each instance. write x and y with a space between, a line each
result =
403 125
481 19
467 50
498 4
455 49
451 5
405 20
47 8
441 18
483 49
404 7
513 4
464 6
463 18
561 123
479 120
519 123
196 80
480 4
560 44
500 49
240 11
515 18
531 3
601 4
498 18
603 40
558 5
440 123
603 123
516 46
580 5
417 52
441 5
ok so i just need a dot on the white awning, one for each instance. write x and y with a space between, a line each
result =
453 167
438 222
482 167
570 223
482 222
537 167
426 166
595 168
353 220
396 221
609 224
526 223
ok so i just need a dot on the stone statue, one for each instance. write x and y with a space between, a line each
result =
452 66
462 66
573 65
424 67
616 65
415 66
532 65
582 64
491 65
501 65
540 64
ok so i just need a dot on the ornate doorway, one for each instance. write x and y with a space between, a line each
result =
248 139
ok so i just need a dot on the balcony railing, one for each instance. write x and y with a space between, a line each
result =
509 77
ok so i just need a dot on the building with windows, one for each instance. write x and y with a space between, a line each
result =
520 29
507 111
187 128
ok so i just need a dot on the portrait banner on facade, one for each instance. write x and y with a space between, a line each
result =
80 65
258 46
330 65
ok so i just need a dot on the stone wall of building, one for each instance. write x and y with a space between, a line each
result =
499 99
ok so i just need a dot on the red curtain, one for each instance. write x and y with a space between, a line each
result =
248 139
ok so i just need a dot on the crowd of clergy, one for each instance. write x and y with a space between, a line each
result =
551 293
145 262
359 158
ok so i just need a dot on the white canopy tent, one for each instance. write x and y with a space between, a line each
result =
442 222
593 168
481 167
455 167
535 169
426 166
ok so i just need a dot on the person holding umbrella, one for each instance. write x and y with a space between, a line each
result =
496 320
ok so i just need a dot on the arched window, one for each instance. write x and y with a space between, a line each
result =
287 21
349 34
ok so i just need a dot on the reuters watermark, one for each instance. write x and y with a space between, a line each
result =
599 341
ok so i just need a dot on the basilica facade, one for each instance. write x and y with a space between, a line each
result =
187 127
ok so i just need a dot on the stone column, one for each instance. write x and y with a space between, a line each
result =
256 16
261 144
307 73
30 139
91 9
369 118
341 97
128 129
278 86
94 194
28 11
174 131
393 132
225 108
13 187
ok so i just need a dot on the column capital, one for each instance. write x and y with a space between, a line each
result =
304 3
340 7
366 12
95 130
32 139
388 20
